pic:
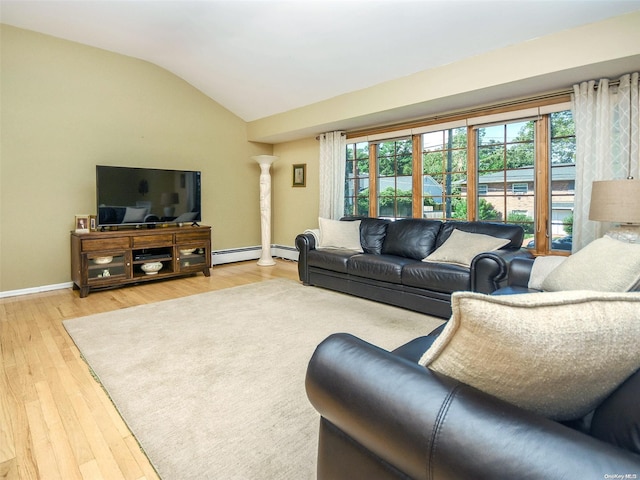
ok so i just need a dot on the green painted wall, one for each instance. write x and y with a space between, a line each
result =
66 107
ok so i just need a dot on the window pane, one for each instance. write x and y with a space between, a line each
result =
458 206
357 179
562 179
444 152
491 158
386 167
521 155
432 163
491 135
349 188
506 160
395 181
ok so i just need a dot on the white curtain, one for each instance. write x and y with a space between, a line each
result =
332 174
607 137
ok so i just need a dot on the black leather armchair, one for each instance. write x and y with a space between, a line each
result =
383 416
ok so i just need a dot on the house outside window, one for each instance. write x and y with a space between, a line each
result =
520 188
505 157
516 166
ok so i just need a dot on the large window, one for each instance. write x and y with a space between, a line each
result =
510 167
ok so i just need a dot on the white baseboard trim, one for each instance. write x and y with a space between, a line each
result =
218 257
28 291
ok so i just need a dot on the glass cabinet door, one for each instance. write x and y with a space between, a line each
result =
191 258
104 268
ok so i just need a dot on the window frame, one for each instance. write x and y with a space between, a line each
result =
540 109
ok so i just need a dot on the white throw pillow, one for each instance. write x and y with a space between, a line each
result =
462 247
605 265
338 234
558 354
541 268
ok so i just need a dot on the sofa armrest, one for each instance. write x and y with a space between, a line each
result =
520 271
490 270
304 243
430 426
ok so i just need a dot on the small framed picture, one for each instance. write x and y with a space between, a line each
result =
93 223
82 223
300 175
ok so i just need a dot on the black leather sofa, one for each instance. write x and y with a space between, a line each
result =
390 269
383 417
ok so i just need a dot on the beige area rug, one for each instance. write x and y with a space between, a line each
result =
212 385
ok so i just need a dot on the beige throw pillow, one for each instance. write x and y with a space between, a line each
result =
462 247
338 234
605 265
558 354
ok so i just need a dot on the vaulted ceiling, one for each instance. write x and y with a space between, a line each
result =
258 58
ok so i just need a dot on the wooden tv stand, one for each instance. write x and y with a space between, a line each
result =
115 258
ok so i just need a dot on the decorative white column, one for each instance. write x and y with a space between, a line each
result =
265 162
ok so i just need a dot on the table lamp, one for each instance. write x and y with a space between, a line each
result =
617 201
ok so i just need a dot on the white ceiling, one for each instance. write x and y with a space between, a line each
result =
258 58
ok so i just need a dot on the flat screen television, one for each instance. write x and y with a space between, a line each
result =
129 196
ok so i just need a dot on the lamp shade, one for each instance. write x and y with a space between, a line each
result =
615 201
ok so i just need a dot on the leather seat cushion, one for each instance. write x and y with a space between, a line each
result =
334 259
441 277
387 268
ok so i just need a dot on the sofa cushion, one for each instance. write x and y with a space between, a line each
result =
559 354
337 234
334 259
440 277
372 234
617 420
387 268
411 237
461 247
514 233
606 265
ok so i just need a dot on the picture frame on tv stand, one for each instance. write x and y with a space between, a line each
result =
82 223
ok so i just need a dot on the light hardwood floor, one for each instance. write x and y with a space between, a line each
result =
56 422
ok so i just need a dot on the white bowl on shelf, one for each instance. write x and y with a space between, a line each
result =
187 251
151 268
102 260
